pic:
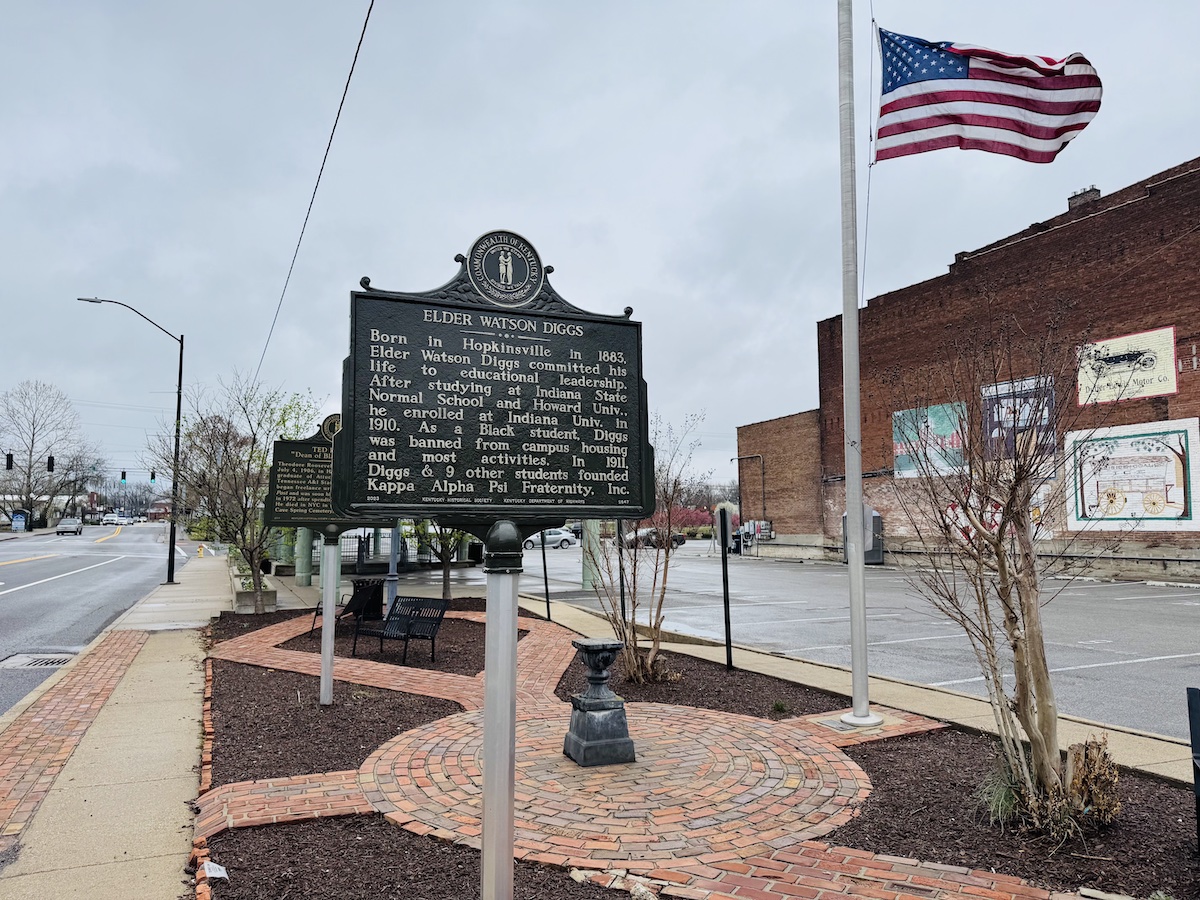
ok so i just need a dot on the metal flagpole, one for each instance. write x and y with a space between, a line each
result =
851 402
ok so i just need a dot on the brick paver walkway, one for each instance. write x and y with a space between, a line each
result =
716 806
38 742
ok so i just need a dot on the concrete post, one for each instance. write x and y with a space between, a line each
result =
304 540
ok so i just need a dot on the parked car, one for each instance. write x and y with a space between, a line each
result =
576 528
69 526
651 537
554 537
110 519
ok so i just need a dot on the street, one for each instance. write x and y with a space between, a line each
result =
57 593
1121 653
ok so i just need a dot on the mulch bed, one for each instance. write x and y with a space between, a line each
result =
923 804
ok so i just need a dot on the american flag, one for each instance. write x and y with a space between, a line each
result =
940 94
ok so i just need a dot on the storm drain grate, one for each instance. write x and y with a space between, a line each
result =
35 661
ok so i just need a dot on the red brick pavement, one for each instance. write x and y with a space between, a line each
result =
38 742
704 783
716 807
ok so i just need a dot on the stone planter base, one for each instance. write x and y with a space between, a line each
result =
243 601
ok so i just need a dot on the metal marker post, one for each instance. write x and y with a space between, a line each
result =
621 565
331 575
724 530
502 563
1193 697
545 576
861 714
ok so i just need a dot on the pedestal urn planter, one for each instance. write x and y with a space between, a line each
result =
599 733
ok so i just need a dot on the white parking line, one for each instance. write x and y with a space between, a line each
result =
1157 596
827 619
1119 662
939 637
22 587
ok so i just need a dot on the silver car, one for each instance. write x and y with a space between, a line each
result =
553 537
69 526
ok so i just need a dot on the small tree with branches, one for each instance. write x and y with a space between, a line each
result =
977 438
225 459
638 562
444 543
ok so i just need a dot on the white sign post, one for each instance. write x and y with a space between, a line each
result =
502 563
331 575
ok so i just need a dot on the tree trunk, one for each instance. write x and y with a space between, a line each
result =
1042 724
255 560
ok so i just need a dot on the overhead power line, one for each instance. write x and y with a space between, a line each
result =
312 199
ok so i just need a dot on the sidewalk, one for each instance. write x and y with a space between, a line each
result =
98 767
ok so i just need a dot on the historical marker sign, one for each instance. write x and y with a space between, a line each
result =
300 487
492 397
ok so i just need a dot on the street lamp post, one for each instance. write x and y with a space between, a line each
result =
178 419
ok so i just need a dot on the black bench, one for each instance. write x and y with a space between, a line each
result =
365 601
411 618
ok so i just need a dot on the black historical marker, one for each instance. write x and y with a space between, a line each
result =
492 397
300 486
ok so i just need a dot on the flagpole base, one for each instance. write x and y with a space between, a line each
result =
866 721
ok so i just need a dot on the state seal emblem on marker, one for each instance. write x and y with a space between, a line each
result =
331 426
505 268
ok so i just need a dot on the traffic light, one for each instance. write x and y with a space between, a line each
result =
152 476
49 463
8 461
122 476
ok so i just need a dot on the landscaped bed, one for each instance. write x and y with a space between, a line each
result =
268 723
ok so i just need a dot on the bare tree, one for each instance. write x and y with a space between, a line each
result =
637 564
225 458
979 478
37 423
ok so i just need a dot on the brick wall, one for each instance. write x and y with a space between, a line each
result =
1123 263
791 464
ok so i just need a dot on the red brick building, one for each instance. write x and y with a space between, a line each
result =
1121 265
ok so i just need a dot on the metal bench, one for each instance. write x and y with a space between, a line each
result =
410 618
366 597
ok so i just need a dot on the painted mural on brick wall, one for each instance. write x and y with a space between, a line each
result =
928 436
1134 476
1128 367
1018 411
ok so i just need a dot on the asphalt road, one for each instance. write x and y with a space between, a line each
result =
58 593
1121 653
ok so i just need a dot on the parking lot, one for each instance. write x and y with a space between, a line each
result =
1121 653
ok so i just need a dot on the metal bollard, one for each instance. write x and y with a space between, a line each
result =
1193 695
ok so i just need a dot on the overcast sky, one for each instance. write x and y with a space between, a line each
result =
679 157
